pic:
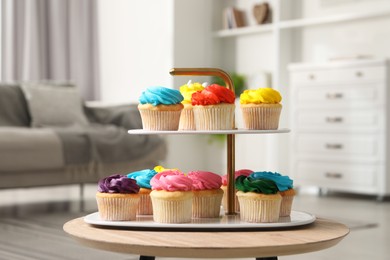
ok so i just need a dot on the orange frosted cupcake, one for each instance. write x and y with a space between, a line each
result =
244 172
261 108
285 188
171 197
207 194
117 198
213 108
259 200
187 121
160 108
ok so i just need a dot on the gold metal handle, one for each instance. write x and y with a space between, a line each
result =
336 119
334 175
334 95
334 146
230 137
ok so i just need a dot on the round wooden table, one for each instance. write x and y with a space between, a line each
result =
321 234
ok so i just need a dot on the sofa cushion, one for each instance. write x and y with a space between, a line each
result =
13 106
54 105
26 149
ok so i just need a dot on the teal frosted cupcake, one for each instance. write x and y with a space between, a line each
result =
160 108
259 200
143 178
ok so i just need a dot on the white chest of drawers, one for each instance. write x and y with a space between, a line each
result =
340 126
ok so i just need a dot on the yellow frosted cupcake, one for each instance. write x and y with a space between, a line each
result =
213 108
207 194
171 197
261 108
160 108
187 121
285 188
259 200
117 198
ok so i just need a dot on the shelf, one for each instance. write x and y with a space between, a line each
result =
187 132
256 29
301 23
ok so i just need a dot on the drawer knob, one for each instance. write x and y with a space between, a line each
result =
334 175
359 74
334 95
334 146
312 77
335 119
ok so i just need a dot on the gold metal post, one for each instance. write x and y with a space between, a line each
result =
230 137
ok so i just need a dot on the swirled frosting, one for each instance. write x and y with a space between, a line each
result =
160 168
203 180
171 180
260 96
188 89
118 184
282 182
212 95
160 96
143 177
245 172
248 184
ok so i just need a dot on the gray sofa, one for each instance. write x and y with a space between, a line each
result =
48 136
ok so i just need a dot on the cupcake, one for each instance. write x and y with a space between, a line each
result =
244 172
285 187
259 200
143 180
160 108
187 121
117 198
171 197
207 194
213 108
261 108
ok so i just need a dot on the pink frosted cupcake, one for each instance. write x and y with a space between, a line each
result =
171 197
117 198
207 194
237 173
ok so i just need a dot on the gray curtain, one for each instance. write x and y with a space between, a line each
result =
51 40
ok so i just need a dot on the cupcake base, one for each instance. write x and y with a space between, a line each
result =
287 200
161 117
145 203
224 200
214 117
261 116
117 206
207 203
259 208
172 206
187 121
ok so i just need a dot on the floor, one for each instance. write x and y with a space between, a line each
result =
368 218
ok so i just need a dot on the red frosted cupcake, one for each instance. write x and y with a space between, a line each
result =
213 108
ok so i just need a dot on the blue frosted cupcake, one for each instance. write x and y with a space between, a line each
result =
160 108
143 180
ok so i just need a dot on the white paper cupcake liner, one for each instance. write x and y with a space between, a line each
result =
172 211
117 209
187 121
259 210
156 120
216 117
206 206
261 117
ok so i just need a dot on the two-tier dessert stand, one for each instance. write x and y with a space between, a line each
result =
210 238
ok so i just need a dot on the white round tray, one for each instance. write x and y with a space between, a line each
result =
225 222
191 132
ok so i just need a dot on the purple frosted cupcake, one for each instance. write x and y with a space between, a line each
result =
117 198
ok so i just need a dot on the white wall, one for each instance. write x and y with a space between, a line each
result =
136 47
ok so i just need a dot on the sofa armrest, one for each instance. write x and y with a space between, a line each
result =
123 115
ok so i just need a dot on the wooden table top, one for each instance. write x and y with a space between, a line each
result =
321 234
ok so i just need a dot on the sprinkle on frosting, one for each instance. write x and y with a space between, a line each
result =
245 172
171 180
160 96
118 184
203 180
282 182
143 177
248 184
260 96
188 89
212 95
